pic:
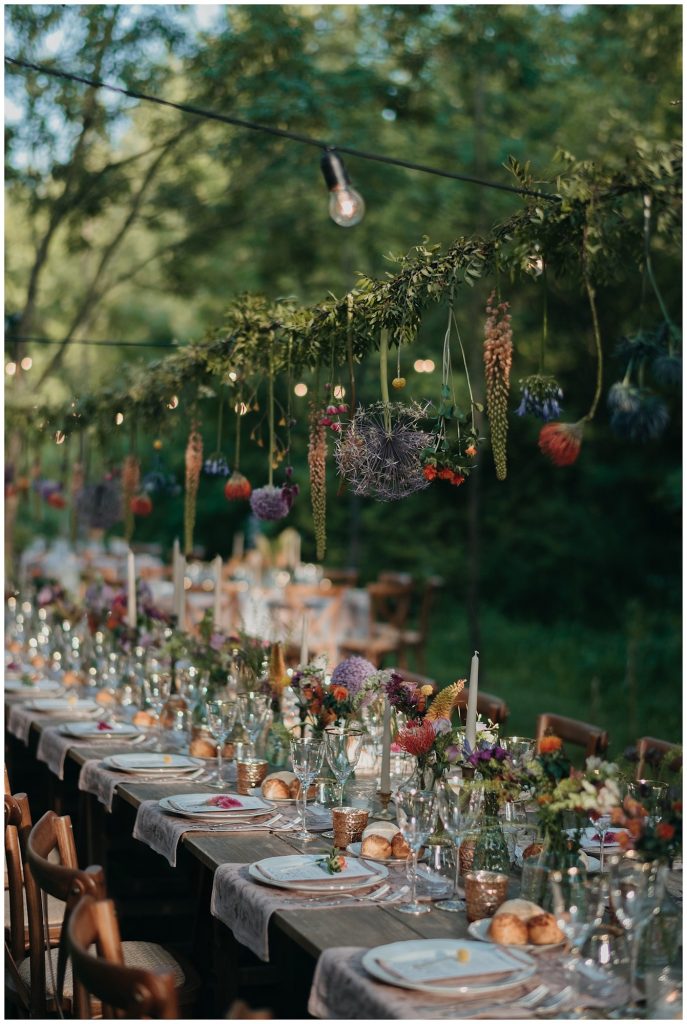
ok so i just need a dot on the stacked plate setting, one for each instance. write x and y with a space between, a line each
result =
95 731
64 706
203 807
154 764
306 873
16 686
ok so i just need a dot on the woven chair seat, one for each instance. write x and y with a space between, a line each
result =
147 955
55 916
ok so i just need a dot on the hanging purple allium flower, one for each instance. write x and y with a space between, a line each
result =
47 487
637 413
352 673
289 491
667 371
216 465
541 397
269 503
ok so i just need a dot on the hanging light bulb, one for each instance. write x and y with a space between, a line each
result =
346 206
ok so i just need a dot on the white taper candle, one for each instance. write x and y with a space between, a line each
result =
385 776
471 713
217 564
304 640
131 590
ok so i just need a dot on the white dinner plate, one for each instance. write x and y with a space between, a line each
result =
62 706
165 805
480 930
36 687
198 805
421 954
588 844
90 730
325 884
153 763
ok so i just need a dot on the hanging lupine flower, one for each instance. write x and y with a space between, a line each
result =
268 503
78 478
237 487
498 357
216 465
317 458
141 505
194 464
561 442
541 397
131 479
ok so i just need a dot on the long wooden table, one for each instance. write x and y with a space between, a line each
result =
163 901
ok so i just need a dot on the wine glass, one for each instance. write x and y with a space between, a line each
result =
416 809
454 817
221 715
521 748
514 825
157 687
602 823
342 747
252 710
651 795
636 891
578 906
307 756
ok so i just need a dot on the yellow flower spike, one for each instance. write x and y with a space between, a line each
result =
427 690
445 701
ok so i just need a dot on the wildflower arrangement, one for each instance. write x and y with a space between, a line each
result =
148 615
52 596
592 791
429 733
320 704
650 838
98 601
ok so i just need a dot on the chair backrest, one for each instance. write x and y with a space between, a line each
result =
7 782
405 579
65 881
389 603
649 750
429 592
125 992
344 577
15 879
489 706
580 734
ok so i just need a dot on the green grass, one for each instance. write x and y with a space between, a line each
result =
628 682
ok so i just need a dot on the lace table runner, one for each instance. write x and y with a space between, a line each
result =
342 989
20 721
53 748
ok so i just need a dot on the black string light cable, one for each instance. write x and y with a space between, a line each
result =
306 140
101 342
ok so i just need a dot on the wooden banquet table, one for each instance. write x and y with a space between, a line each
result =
161 903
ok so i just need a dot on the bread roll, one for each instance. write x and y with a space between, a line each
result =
144 719
508 930
399 846
295 789
201 747
105 697
275 789
542 930
388 829
533 850
376 846
523 909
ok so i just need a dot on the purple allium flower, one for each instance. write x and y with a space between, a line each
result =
352 673
269 503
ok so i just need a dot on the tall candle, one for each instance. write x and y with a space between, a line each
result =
471 714
131 590
385 777
304 640
175 575
181 607
237 549
218 591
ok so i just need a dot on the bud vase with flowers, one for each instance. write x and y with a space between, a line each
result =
495 781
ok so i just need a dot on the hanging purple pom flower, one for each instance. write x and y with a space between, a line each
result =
269 503
352 673
289 490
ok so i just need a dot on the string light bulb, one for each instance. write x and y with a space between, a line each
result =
346 206
26 363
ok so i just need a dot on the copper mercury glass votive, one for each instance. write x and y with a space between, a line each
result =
485 891
349 824
250 774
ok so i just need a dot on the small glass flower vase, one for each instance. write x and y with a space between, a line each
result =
277 743
537 870
491 849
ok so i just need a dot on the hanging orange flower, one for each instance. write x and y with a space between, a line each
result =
561 442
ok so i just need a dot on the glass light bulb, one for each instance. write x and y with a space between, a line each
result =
346 207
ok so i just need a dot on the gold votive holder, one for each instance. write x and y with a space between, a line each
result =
466 855
485 891
349 824
250 774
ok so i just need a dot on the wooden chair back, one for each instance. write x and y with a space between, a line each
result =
15 880
403 579
342 577
430 590
650 749
489 706
389 605
580 734
7 782
66 882
125 992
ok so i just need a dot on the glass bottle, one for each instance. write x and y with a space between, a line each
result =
491 848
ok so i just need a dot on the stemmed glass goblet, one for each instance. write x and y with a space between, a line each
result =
578 906
602 823
252 710
221 715
454 817
157 687
307 755
416 809
636 890
343 747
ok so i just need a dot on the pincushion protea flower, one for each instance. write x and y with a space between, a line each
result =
445 701
561 442
237 487
194 465
417 738
498 357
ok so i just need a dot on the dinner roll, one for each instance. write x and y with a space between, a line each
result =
277 786
388 829
201 747
523 909
295 789
542 930
508 929
533 850
399 846
376 846
105 697
144 719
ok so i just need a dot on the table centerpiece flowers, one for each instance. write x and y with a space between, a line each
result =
428 732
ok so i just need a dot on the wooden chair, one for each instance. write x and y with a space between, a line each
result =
388 576
66 882
580 734
124 992
342 577
650 749
389 608
414 641
489 706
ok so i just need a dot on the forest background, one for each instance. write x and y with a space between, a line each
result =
128 221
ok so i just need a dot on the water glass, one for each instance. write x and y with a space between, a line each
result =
636 891
342 748
578 906
221 715
157 687
252 711
307 756
416 810
453 816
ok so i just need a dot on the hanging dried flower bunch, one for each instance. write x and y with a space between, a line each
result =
237 487
541 397
272 503
498 357
194 464
99 506
317 464
131 479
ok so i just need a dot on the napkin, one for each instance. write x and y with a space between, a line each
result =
309 871
494 966
199 803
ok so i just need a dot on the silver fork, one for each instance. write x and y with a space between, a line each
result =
527 1002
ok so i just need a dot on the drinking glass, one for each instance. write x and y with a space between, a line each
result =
221 715
578 905
416 809
252 710
521 748
157 687
514 825
452 812
636 891
342 747
602 823
651 795
307 756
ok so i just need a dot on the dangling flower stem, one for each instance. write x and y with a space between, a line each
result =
674 333
467 372
597 342
545 325
220 417
383 376
349 349
237 444
270 417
